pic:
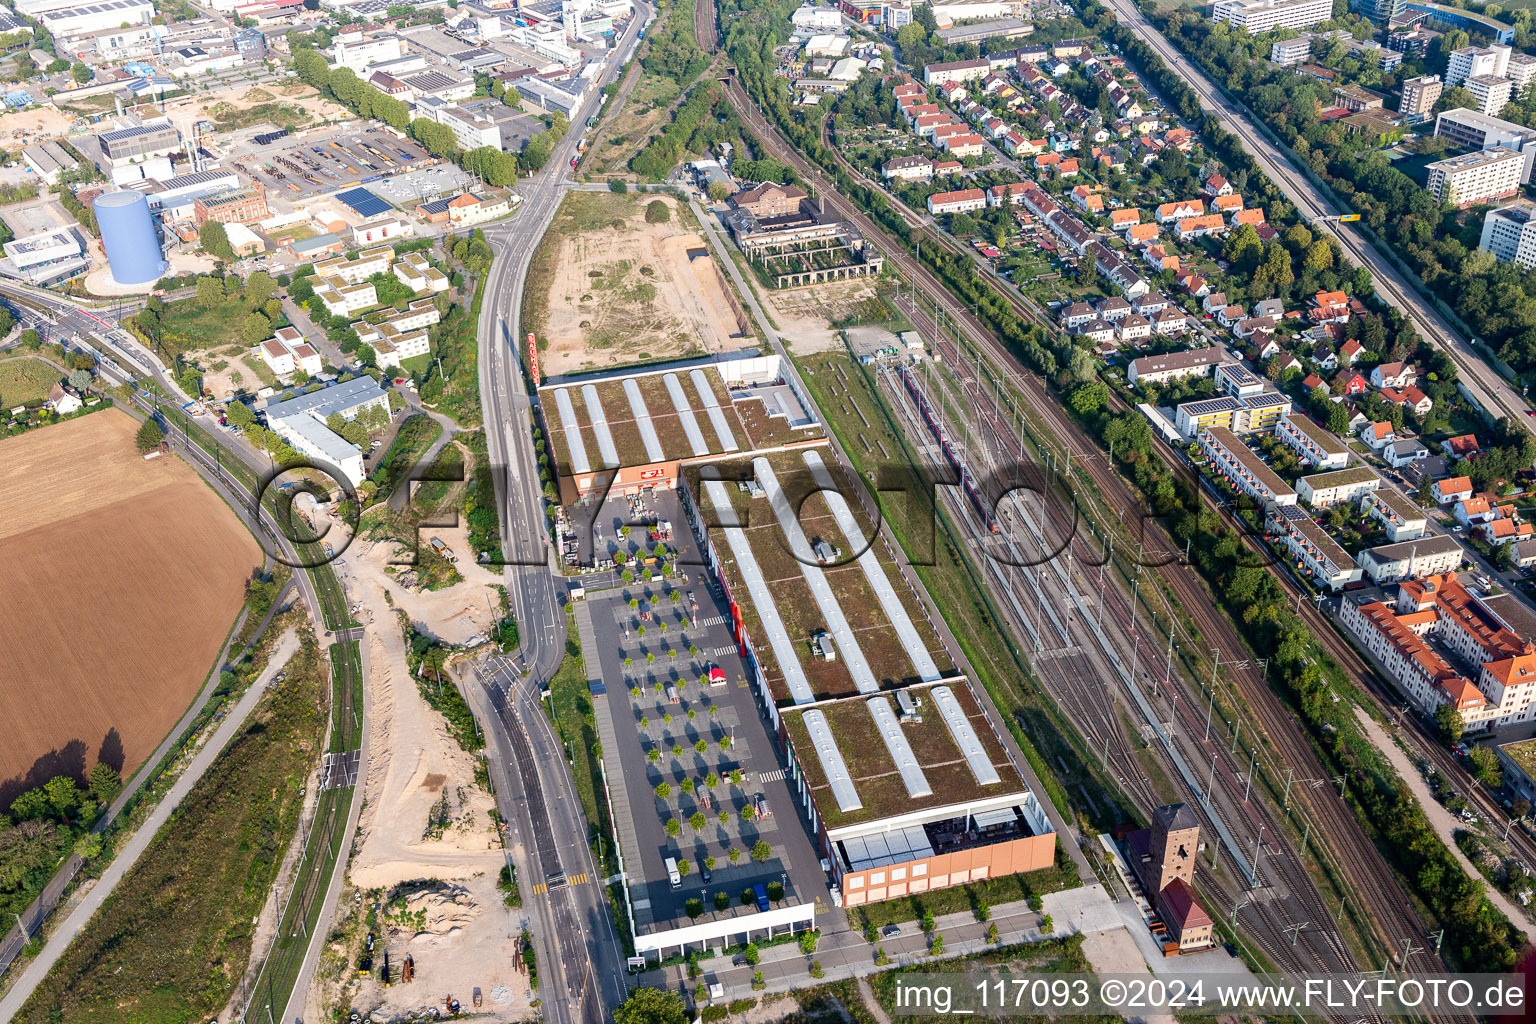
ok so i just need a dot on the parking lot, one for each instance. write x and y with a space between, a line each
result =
298 167
662 708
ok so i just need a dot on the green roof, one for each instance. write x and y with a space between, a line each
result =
1523 755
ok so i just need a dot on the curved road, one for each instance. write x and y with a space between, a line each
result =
1485 385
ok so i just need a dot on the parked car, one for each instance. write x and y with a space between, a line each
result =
761 892
891 930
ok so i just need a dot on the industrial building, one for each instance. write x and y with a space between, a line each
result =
48 160
138 152
1162 858
47 258
244 205
128 236
82 18
1002 28
301 422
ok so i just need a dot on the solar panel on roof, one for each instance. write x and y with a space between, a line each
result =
363 202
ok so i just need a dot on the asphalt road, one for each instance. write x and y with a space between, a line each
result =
581 961
135 846
1487 388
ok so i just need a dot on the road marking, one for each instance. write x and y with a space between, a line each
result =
774 776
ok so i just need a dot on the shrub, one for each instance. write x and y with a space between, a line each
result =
808 940
750 954
663 791
761 851
657 212
694 907
722 901
674 827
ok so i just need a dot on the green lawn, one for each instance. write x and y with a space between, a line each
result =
26 381
174 937
186 326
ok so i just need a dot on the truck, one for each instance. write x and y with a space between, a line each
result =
673 875
443 549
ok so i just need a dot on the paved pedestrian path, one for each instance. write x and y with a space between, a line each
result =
136 844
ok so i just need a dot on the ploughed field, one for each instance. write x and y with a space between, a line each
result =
122 577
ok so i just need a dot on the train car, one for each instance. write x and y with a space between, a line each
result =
936 428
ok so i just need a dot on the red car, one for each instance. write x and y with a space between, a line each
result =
400 380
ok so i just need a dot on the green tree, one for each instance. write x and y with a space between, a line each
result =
88 846
63 795
57 64
80 72
210 291
663 791
80 380
652 1006
255 329
149 437
1485 764
761 851
697 821
718 191
104 782
1449 723
215 240
1089 397
674 827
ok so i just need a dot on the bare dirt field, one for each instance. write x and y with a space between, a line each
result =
616 290
804 316
123 577
428 846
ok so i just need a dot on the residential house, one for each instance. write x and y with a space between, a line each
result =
1393 375
1378 435
1451 490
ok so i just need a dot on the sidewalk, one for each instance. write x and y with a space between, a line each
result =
844 954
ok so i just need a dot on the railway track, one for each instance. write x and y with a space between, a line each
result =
1373 880
1367 872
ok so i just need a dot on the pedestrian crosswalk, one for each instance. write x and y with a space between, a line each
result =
721 652
713 620
766 777
560 882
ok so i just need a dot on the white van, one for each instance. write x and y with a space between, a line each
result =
672 873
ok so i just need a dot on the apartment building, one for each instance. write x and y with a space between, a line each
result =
1290 52
1509 233
1475 130
343 299
1521 72
1315 446
1419 98
1400 517
1316 554
1478 177
1234 462
1196 362
1340 487
287 352
1500 667
1490 91
1424 556
1252 414
1259 16
962 201
416 272
1472 61
369 262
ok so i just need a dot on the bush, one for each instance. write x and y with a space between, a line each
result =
750 954
761 851
657 212
620 187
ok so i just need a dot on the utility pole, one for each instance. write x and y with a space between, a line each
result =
1295 930
1253 757
1258 850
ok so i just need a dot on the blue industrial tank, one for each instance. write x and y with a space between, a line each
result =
128 234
